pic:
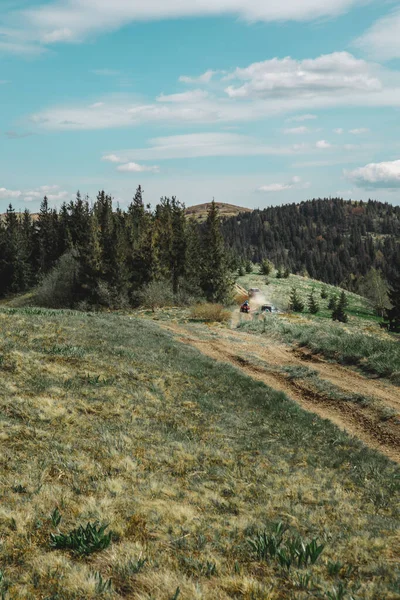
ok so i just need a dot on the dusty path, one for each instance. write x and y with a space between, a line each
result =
263 359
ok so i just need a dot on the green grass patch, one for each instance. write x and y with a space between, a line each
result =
187 460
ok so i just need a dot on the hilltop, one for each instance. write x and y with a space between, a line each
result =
199 211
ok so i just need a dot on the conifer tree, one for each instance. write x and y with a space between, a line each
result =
265 267
339 312
393 313
215 279
295 303
332 302
313 305
324 293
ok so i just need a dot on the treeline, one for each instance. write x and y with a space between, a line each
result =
332 240
95 255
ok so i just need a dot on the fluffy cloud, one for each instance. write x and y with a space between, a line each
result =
295 130
53 193
267 89
74 20
323 145
112 158
186 97
301 118
132 167
359 131
204 78
377 175
339 130
339 72
6 194
196 145
382 40
295 182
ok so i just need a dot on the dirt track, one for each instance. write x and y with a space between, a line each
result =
263 359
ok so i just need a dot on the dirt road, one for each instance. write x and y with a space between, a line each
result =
375 421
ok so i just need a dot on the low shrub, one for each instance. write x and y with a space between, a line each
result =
214 313
83 540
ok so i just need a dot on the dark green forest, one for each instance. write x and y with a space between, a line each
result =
94 254
97 255
332 240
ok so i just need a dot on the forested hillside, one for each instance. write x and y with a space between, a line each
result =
334 240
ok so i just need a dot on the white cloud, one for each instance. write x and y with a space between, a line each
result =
295 182
339 72
186 97
382 40
301 118
326 82
322 144
197 145
6 194
204 78
58 35
52 192
377 175
132 167
359 131
112 158
75 20
295 130
339 131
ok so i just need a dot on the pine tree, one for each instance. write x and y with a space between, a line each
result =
313 305
332 303
286 273
295 303
393 314
265 267
339 312
324 292
215 280
279 273
249 266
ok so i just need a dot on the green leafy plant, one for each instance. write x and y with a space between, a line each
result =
304 581
83 540
334 568
55 517
338 593
102 585
266 546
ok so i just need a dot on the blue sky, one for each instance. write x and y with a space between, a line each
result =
252 103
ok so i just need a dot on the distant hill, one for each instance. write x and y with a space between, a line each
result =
226 210
332 240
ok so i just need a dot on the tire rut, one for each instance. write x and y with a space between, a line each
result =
364 422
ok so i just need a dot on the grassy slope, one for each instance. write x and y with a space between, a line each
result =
108 419
360 342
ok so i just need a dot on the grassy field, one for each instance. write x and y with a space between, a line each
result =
360 342
105 420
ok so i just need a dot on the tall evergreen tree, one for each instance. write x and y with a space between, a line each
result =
339 312
393 313
295 302
313 305
215 278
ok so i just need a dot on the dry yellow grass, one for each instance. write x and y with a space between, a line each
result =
108 419
213 313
